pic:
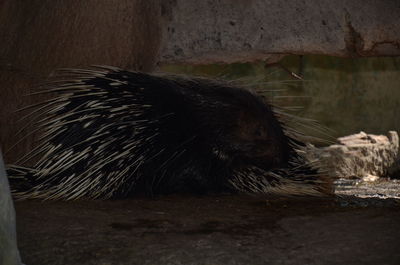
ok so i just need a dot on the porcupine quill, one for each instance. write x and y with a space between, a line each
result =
111 133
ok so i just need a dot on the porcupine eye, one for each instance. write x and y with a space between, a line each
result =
251 130
259 132
248 136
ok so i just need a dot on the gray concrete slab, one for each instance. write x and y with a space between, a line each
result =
230 31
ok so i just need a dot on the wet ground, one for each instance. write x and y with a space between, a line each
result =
223 229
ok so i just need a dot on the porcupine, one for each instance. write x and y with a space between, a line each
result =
111 133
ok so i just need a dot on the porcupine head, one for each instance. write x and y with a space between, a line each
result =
254 153
263 158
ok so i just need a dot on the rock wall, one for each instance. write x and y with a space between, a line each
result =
230 31
9 254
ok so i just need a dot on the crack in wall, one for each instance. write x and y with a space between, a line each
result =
353 40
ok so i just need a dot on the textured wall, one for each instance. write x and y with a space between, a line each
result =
243 30
37 37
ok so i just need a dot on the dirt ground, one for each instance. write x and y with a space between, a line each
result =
223 229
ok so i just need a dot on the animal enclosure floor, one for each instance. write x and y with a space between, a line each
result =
223 229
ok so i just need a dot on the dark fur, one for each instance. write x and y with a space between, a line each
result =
203 136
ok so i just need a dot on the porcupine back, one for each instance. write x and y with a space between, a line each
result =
110 133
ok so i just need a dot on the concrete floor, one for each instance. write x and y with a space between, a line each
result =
223 229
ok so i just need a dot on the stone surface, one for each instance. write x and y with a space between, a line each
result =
359 155
8 239
226 31
379 188
210 230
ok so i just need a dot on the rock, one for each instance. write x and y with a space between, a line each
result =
9 254
370 178
362 155
381 188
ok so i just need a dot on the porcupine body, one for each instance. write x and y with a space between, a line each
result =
111 133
